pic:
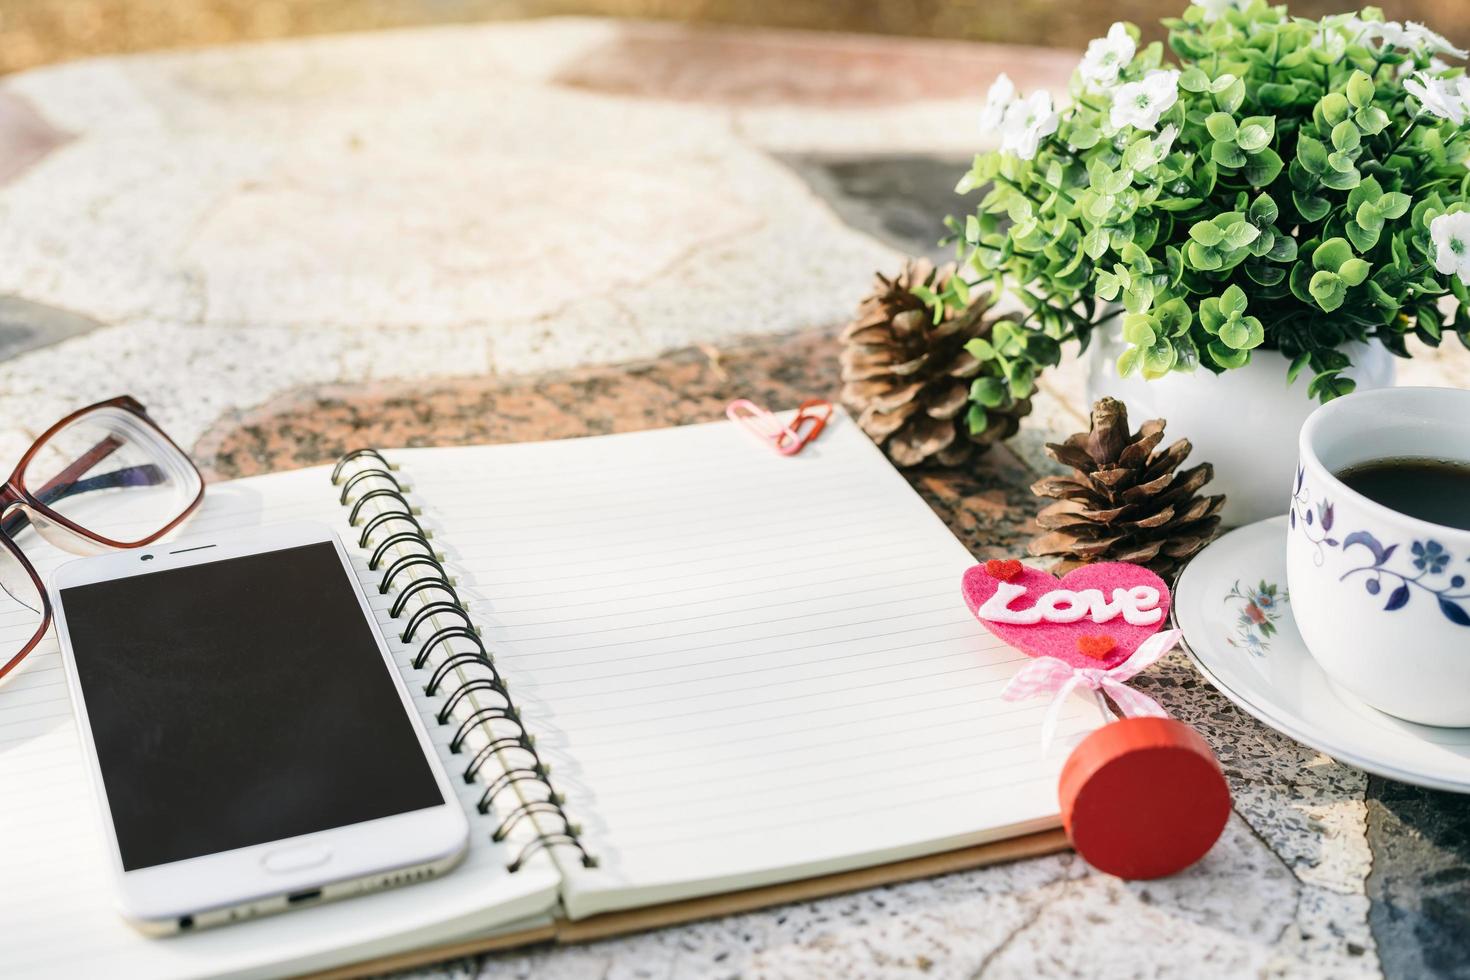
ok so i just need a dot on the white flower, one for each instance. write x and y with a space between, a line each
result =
1215 9
1142 103
1438 97
1437 66
1451 236
997 101
1390 32
1414 38
1106 57
1423 39
1026 123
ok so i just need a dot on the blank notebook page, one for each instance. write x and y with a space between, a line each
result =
742 667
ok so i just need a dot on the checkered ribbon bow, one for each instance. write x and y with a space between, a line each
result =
1048 675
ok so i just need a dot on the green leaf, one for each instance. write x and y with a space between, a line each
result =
1251 138
980 349
1241 234
1138 329
1264 167
1297 364
1334 108
1328 290
1312 154
1158 359
1083 136
1192 79
1173 318
1341 180
1140 296
1235 334
1256 333
1368 192
1330 385
1360 89
1128 361
1393 205
1381 297
1363 239
1301 275
1353 272
1255 132
1206 233
1371 120
1274 95
1220 125
1345 136
1222 82
1022 377
1283 249
1203 258
1228 155
1227 357
1264 273
1210 316
1331 254
1231 98
1310 206
1232 301
961 290
976 420
989 392
1263 211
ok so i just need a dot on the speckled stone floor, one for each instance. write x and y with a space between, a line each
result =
565 227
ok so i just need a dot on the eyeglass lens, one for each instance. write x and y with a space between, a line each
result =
111 474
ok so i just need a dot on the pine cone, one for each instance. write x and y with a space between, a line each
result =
1125 501
909 379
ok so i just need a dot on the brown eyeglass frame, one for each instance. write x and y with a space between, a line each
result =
14 492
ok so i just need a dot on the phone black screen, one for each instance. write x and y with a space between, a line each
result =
239 702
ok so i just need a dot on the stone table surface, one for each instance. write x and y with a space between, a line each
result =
565 227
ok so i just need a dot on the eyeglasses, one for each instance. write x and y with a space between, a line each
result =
103 478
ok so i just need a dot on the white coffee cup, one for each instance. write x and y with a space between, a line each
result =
1383 599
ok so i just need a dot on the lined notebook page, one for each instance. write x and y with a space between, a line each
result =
56 900
743 668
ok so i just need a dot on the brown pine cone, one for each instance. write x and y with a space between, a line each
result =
908 379
1126 500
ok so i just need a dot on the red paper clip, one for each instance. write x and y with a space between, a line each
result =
809 411
788 439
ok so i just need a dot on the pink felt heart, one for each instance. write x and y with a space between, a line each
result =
1065 640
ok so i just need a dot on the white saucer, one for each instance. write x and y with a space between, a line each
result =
1246 643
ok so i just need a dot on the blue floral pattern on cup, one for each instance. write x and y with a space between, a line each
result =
1428 558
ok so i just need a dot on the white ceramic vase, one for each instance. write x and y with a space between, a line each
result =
1244 421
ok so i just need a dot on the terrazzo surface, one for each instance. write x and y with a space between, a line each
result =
557 228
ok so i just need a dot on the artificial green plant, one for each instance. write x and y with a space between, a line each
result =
1285 184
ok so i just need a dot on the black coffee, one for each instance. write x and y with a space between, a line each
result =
1434 490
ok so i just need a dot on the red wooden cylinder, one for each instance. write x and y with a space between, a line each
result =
1143 798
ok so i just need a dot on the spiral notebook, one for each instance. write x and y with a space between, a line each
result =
685 675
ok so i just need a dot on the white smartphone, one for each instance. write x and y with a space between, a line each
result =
250 739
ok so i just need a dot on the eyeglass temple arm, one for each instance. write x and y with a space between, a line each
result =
66 483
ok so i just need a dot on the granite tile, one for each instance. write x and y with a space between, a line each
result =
1420 883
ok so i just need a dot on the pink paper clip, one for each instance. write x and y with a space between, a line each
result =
788 440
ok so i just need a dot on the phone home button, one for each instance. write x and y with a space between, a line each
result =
295 859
